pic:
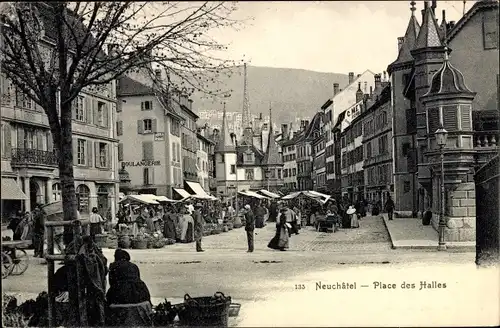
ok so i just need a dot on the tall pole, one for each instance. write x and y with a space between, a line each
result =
442 224
237 207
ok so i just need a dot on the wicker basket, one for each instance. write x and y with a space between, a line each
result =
205 311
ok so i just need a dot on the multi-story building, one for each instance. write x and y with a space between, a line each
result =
204 160
29 160
429 92
377 143
351 134
308 133
188 139
289 158
319 169
342 99
149 130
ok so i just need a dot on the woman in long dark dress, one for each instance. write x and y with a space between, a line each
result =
169 230
281 238
128 297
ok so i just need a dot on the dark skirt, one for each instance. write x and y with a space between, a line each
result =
259 222
95 229
189 233
128 292
274 243
169 230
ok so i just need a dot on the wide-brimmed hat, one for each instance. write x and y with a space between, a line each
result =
351 210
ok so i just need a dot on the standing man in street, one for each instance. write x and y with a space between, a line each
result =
389 207
249 227
199 222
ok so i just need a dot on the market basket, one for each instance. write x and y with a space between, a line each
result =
205 311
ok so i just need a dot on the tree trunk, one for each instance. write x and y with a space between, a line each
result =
65 149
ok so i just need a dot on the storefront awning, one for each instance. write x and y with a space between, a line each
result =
198 190
269 194
11 190
147 199
252 194
183 193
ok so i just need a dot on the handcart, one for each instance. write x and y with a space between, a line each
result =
15 260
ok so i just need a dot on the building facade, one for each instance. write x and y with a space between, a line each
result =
30 162
149 130
377 143
204 160
319 163
429 92
289 164
308 133
342 99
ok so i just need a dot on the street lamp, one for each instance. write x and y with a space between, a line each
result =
441 136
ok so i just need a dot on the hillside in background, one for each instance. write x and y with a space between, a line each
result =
292 93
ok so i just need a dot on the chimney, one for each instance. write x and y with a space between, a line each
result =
306 124
284 131
158 74
359 93
434 6
371 91
358 75
365 89
444 15
335 88
385 76
401 39
351 77
260 116
378 83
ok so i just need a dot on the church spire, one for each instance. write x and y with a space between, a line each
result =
272 155
246 106
225 143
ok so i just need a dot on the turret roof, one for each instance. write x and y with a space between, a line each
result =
225 142
272 155
428 37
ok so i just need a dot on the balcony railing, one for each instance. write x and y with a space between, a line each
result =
23 156
483 139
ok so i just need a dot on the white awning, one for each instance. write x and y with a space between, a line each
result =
253 194
11 190
163 199
144 199
292 195
182 192
269 194
198 190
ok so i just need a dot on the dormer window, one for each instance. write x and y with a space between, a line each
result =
248 157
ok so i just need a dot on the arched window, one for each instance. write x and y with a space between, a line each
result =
83 198
56 192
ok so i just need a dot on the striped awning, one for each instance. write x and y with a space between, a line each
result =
11 190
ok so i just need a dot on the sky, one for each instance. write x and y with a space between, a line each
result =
326 36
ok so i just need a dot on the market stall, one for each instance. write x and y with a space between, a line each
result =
269 194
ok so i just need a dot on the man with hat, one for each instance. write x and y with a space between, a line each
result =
199 222
249 226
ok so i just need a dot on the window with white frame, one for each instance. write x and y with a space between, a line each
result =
30 139
147 105
56 192
100 113
81 151
103 156
78 108
148 125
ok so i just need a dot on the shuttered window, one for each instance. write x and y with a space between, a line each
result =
490 29
120 152
450 119
147 150
148 175
433 119
119 128
465 116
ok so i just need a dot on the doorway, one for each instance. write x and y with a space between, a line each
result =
102 200
35 195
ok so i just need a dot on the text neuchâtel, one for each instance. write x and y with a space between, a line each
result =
378 285
338 285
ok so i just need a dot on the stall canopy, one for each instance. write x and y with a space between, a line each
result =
143 199
11 190
269 194
253 194
183 193
158 198
198 190
322 198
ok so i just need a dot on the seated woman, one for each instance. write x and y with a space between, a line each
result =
128 298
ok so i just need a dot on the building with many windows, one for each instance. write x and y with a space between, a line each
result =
30 162
288 149
149 130
204 159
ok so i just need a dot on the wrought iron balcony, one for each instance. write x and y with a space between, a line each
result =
22 156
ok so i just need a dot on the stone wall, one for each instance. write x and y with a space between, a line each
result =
460 212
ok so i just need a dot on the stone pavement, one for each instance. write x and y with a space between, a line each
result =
410 233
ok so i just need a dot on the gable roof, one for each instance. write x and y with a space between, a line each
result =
272 155
409 42
127 86
308 134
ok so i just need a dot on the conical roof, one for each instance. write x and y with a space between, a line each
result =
272 155
448 80
225 143
409 40
428 37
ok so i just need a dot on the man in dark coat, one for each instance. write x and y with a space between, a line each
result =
249 226
389 207
273 212
260 213
199 222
